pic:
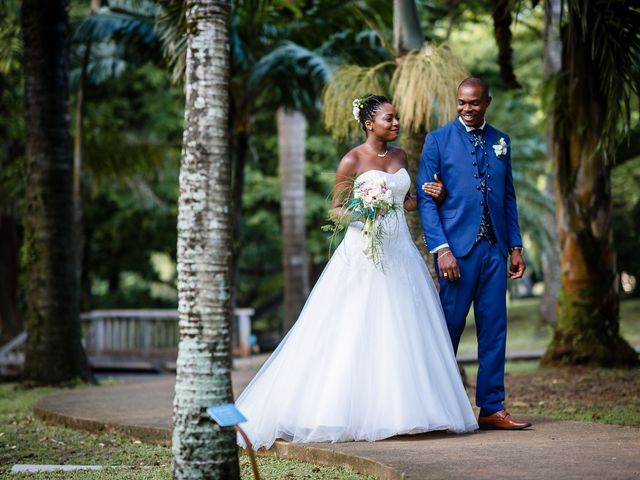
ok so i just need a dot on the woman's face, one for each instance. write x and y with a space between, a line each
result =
385 124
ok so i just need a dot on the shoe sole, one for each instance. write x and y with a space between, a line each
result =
492 427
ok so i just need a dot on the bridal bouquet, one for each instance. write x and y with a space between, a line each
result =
369 201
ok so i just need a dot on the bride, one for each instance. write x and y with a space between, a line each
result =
369 356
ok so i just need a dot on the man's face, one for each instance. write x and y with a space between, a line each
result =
473 102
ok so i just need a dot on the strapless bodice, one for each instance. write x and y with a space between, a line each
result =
399 182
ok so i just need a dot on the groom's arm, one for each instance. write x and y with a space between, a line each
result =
427 207
510 204
517 264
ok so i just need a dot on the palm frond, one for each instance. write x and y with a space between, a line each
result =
145 8
106 62
611 66
171 26
375 14
108 24
291 75
425 85
10 37
349 82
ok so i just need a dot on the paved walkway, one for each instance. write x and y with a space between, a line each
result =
551 450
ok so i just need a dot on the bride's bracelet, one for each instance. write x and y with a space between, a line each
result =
440 256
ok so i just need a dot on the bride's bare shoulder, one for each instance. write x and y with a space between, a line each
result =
400 156
349 164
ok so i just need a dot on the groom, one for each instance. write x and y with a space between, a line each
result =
471 234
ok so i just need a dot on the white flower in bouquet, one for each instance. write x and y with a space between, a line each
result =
370 201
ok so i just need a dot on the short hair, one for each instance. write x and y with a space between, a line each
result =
371 104
475 81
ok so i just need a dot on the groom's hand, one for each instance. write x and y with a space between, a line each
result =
447 265
516 264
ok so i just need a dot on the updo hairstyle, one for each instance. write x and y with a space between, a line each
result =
370 106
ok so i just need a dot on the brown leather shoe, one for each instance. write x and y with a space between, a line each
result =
501 420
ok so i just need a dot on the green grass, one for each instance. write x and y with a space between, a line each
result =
599 395
613 415
630 320
274 468
525 330
25 439
594 395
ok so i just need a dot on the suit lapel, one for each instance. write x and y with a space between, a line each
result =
490 139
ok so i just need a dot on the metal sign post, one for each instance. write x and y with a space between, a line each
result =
228 415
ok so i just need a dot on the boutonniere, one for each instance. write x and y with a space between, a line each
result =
500 148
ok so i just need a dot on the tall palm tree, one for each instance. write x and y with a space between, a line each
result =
408 36
291 143
202 449
53 353
294 76
591 111
502 18
550 257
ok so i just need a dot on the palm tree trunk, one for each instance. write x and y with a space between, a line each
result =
550 258
407 36
588 317
53 352
291 144
502 30
587 330
412 144
202 449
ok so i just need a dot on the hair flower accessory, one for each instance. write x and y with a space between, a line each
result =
357 104
500 148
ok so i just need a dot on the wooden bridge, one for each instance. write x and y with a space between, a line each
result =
131 340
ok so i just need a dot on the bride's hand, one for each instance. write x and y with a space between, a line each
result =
410 203
435 189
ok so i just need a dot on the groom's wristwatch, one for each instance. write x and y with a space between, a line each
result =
518 247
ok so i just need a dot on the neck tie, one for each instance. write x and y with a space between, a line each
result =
478 141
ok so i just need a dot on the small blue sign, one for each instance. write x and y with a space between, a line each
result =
226 415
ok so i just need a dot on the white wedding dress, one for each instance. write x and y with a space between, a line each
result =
369 356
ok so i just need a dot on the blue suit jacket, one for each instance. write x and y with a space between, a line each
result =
449 153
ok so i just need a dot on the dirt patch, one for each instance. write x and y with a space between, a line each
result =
608 396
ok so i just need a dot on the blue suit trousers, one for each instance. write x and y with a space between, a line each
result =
483 282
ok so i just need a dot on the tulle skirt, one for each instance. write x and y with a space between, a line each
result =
368 358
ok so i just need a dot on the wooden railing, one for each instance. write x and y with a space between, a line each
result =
12 356
130 339
147 333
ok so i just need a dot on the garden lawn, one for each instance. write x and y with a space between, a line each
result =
525 330
598 395
26 440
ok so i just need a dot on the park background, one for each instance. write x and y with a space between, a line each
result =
287 132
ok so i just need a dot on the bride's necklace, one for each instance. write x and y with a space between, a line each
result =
381 155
